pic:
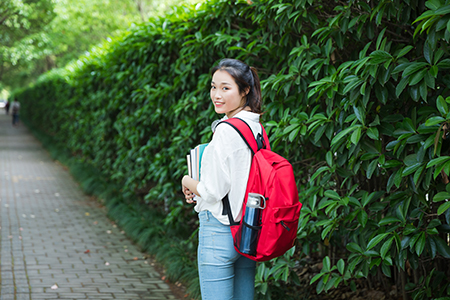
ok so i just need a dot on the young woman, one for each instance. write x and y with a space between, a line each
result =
223 272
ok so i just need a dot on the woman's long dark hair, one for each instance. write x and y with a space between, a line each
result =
246 78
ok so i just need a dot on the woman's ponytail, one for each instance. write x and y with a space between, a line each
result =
254 95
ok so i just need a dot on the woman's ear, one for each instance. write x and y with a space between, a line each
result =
247 90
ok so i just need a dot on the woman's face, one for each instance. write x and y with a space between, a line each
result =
225 94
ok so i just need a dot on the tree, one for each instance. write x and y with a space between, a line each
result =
59 31
18 21
75 28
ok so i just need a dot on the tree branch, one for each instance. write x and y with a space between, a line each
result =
6 17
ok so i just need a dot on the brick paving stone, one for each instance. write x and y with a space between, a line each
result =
99 296
45 296
8 290
47 225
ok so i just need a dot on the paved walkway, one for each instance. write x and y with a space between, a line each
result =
55 242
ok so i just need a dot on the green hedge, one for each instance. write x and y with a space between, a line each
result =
356 96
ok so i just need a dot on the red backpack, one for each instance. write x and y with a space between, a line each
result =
272 178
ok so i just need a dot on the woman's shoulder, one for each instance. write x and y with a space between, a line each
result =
224 131
226 134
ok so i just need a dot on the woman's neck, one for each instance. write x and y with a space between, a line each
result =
232 113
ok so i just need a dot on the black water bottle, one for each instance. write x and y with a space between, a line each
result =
251 224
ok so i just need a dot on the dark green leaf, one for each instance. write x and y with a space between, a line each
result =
341 266
438 160
373 242
386 247
372 167
423 88
434 120
401 86
343 133
414 68
360 114
388 220
444 64
420 244
441 196
443 207
433 247
332 194
386 269
356 135
428 53
326 264
379 56
317 277
442 105
404 51
417 77
442 246
411 169
373 133
353 247
363 218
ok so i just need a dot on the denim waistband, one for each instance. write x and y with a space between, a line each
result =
206 217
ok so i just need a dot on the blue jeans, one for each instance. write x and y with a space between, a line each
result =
224 273
15 119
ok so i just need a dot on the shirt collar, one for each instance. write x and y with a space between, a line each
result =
243 114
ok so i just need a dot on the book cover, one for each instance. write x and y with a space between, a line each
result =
194 161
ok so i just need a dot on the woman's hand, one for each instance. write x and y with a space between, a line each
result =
188 194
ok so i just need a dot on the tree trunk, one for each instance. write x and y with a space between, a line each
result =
141 10
403 279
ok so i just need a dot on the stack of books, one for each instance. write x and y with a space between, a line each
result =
194 161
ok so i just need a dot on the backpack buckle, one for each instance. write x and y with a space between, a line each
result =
260 142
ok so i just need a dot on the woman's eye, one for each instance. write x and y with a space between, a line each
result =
225 88
213 87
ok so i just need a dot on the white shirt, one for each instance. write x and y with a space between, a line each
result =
225 169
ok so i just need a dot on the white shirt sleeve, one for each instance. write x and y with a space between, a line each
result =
215 175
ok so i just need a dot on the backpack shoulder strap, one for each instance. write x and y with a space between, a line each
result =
246 133
266 139
226 210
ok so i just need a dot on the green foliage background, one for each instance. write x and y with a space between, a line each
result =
40 35
356 97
